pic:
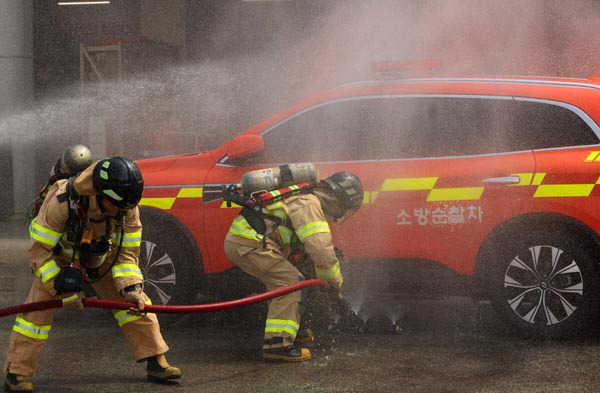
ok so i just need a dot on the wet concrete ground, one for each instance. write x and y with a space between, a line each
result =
444 345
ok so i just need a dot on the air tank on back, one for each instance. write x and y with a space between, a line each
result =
75 159
277 177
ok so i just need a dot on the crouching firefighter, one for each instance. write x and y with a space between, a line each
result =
261 241
88 227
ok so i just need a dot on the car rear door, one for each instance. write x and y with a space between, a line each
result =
450 172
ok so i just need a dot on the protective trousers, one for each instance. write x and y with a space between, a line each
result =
271 267
31 329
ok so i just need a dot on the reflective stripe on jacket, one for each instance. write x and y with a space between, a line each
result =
48 230
311 227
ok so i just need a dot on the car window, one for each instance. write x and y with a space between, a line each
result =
539 125
421 127
337 131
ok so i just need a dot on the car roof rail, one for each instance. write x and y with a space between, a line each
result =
533 81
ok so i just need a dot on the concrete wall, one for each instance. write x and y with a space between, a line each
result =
164 21
16 90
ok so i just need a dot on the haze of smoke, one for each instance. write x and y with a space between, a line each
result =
208 102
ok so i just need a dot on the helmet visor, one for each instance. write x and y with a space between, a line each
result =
125 196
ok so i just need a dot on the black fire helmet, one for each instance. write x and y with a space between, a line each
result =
347 188
119 180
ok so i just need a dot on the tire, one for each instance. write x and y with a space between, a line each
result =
169 259
543 281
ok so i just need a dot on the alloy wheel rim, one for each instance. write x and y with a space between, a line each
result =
159 272
543 285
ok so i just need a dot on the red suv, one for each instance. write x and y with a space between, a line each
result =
491 178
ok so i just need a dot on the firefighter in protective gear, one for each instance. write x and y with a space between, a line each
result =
107 248
305 229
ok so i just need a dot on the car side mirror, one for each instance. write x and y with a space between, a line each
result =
244 145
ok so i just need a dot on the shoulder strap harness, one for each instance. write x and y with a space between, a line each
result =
252 205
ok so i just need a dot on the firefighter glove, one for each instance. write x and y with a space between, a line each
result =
336 283
72 301
339 254
135 294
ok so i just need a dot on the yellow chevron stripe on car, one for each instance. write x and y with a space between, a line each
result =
161 203
409 184
455 194
370 196
166 203
224 205
525 179
538 178
563 190
190 193
592 156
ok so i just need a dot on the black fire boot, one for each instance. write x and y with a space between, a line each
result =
17 383
286 354
159 371
304 336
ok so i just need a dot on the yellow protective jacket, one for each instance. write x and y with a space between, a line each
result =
49 248
310 224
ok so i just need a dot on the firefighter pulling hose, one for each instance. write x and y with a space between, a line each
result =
172 309
88 227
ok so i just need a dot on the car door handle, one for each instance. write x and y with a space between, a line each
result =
502 180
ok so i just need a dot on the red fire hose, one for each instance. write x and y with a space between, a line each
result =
185 309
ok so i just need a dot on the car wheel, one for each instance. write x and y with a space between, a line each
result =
169 260
545 283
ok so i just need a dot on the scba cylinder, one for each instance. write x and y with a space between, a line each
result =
282 176
75 159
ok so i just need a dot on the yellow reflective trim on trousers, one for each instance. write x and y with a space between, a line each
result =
190 193
592 156
311 228
282 325
48 271
563 190
127 270
161 203
455 194
123 318
43 235
38 332
409 184
328 274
